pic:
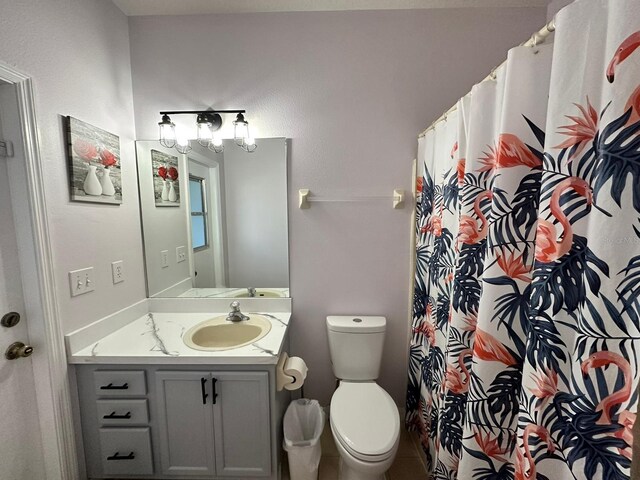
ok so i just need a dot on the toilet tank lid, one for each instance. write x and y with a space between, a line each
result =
356 323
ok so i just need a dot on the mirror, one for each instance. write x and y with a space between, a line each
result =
215 224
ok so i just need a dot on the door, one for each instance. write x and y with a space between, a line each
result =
186 424
21 455
241 421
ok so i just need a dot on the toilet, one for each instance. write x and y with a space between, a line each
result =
364 419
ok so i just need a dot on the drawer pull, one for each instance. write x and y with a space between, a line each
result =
215 395
117 456
111 386
113 415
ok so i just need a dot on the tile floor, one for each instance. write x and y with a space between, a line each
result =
408 464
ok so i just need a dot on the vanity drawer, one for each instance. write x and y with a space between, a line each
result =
123 383
122 412
126 451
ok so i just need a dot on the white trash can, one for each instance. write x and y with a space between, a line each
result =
303 424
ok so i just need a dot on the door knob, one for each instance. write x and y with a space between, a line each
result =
17 350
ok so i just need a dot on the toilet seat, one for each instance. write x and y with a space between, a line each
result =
365 420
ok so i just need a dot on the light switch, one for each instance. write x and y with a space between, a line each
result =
164 258
117 271
81 281
181 254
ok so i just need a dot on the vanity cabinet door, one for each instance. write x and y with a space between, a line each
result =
186 424
241 421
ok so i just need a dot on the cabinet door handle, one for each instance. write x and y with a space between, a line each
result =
215 395
111 386
113 415
117 456
203 386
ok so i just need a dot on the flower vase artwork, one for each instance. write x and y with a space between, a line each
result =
94 163
108 160
88 152
162 173
91 183
165 176
173 175
165 191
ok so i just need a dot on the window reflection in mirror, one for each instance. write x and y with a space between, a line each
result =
225 234
199 235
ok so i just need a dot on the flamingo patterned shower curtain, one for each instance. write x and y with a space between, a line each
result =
525 349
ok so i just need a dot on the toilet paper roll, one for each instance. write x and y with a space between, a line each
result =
291 372
297 369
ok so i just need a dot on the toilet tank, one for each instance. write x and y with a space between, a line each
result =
355 343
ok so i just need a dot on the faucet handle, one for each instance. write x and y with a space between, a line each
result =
235 306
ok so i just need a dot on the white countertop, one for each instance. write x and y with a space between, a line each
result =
156 338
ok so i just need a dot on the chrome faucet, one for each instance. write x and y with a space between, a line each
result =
252 291
235 315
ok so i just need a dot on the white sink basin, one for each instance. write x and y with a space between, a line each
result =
218 334
260 293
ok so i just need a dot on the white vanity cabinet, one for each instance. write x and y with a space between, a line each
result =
181 421
214 423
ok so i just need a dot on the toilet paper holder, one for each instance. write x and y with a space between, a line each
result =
291 372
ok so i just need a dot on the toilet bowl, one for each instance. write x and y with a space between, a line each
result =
365 425
365 422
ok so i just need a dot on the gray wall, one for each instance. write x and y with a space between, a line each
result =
77 52
352 90
165 228
255 188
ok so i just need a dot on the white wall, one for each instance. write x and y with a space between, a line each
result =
256 215
165 228
78 54
352 90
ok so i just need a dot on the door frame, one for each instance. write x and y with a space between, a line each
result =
50 370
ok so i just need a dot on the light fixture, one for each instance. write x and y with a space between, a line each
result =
167 132
240 130
216 144
250 144
208 122
183 145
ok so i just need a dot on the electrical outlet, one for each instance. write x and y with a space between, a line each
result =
181 254
117 271
164 258
81 281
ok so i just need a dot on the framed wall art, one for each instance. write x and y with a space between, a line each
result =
94 163
166 187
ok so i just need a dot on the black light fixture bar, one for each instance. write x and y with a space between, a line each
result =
207 122
197 112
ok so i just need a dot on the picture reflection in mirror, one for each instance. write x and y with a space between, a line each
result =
227 234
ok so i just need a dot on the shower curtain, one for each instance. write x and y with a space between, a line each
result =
524 356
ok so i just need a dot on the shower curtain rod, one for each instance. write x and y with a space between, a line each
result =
536 39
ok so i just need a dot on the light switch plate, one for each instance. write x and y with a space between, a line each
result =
181 254
117 271
81 281
164 258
